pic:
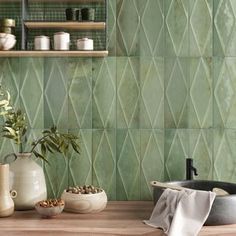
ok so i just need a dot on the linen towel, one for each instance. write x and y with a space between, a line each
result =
181 213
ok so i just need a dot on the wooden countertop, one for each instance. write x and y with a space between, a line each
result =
119 218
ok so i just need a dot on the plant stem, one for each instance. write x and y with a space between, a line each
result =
38 141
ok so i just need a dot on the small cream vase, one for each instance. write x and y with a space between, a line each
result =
6 202
27 178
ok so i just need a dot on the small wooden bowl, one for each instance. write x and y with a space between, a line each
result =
49 211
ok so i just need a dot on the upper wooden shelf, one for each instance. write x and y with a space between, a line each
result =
53 53
65 25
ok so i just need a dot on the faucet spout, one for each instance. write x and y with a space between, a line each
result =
190 169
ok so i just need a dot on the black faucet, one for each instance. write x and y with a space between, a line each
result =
190 170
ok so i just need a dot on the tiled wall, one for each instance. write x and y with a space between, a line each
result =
167 91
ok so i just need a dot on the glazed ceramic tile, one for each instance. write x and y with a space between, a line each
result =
224 93
176 92
128 164
104 93
176 27
80 165
31 93
55 89
176 152
224 154
201 93
152 28
224 28
152 92
128 92
128 24
104 161
201 150
200 27
152 160
112 27
80 93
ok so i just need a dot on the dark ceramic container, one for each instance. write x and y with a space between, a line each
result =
72 14
223 210
88 14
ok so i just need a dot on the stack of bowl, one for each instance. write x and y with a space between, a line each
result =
7 38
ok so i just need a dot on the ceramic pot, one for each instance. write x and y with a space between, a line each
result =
6 202
88 14
27 178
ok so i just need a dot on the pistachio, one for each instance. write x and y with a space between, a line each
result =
85 189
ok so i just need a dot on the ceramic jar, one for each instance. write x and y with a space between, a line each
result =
41 43
61 41
27 178
6 202
85 44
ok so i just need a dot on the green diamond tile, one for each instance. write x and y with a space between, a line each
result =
152 92
201 107
176 92
224 33
128 92
55 89
104 93
56 174
152 28
80 93
176 151
152 160
224 158
224 93
128 164
200 30
32 90
128 24
201 150
104 161
112 27
176 27
80 165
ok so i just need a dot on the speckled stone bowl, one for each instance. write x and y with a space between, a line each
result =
84 203
223 208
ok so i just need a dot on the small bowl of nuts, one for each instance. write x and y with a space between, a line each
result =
49 208
84 199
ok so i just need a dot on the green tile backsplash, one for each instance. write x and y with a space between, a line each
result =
166 91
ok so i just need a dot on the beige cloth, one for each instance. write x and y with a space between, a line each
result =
181 213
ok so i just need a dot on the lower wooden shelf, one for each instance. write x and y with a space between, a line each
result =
53 53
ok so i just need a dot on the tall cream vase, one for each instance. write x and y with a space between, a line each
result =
27 178
6 202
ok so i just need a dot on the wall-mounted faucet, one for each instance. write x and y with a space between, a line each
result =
190 169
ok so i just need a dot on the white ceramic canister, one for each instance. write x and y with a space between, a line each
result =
41 43
85 44
61 41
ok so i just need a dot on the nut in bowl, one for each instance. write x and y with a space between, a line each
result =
84 199
50 208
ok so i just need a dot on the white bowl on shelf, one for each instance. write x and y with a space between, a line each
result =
7 41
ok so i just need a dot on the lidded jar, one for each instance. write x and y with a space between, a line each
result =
61 41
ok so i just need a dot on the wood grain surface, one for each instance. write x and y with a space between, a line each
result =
119 218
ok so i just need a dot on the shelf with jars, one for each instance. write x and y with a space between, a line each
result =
82 22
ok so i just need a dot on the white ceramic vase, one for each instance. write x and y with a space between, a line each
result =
27 178
6 202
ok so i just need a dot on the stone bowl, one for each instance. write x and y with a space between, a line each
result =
50 211
223 208
84 203
7 41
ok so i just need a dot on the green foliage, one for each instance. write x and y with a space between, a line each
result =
15 128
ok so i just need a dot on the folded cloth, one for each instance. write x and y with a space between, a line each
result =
181 213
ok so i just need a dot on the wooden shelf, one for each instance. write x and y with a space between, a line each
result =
65 25
53 53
